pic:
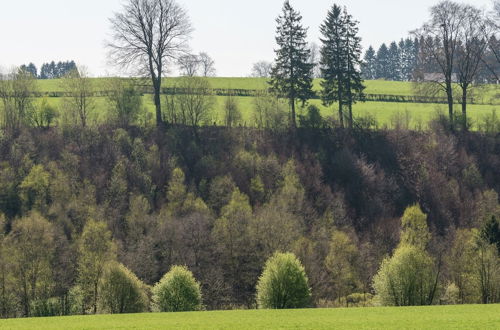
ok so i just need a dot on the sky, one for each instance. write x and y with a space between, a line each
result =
235 33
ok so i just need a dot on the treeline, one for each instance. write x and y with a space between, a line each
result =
87 208
50 70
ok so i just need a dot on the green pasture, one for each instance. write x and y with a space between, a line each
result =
434 317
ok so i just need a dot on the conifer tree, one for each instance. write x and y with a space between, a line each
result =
382 62
369 64
291 76
341 61
394 68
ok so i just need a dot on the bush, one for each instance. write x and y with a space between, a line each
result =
46 307
122 292
177 291
406 279
283 283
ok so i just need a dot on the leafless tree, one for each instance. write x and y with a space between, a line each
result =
189 65
207 65
149 34
79 101
441 37
16 89
262 69
194 101
470 53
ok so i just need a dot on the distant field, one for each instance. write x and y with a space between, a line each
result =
435 317
387 114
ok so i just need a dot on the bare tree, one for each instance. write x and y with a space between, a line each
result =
194 101
207 65
16 91
441 37
189 65
262 69
149 33
470 53
79 101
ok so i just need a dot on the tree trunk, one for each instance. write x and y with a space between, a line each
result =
464 107
294 123
157 100
449 94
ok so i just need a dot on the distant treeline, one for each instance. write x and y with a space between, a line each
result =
50 70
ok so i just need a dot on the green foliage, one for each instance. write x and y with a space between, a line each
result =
121 291
341 263
95 251
125 102
283 283
46 308
35 189
31 250
44 115
177 291
414 228
407 278
312 119
291 75
491 232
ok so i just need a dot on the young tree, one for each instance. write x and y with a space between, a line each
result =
79 100
291 75
95 250
121 291
32 243
232 113
414 229
148 34
195 102
124 100
283 283
177 291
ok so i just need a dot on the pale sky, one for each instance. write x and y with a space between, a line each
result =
236 33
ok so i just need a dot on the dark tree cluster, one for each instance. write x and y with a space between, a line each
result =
397 62
50 70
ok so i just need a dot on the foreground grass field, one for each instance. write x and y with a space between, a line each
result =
435 317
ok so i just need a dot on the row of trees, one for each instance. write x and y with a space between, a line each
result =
397 62
50 70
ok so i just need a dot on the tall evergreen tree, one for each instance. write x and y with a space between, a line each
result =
353 81
382 62
394 57
341 61
291 76
333 61
369 64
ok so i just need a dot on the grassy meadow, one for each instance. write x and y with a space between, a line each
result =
387 114
434 317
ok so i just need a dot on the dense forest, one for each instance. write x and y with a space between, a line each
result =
223 200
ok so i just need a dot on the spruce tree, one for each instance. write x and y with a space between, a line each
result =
341 61
369 64
394 57
291 75
353 81
333 60
382 62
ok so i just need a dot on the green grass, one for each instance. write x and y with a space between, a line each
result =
387 114
435 317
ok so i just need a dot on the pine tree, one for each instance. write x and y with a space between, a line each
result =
353 81
382 62
369 64
394 57
333 61
291 76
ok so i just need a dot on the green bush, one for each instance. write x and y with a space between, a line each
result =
407 278
122 292
283 283
177 291
46 307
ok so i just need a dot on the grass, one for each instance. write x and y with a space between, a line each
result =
434 317
387 114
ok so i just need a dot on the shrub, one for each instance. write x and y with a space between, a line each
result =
406 279
283 283
177 291
122 292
